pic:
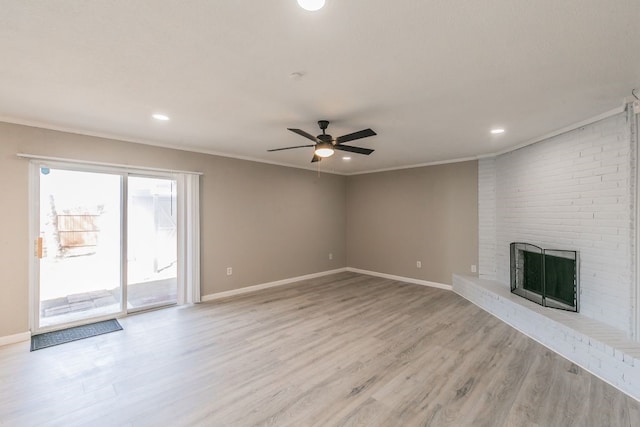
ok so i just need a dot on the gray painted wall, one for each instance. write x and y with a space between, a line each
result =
260 219
427 214
267 222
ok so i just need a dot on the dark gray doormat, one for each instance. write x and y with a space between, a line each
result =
49 339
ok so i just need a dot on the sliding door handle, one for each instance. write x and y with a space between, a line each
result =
39 247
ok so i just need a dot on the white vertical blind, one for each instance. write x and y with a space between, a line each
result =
188 238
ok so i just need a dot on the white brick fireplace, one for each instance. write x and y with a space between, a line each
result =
577 192
574 191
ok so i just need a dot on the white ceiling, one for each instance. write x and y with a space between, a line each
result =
430 77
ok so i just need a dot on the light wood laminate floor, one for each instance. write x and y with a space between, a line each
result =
341 350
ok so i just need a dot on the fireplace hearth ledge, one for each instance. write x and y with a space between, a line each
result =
601 349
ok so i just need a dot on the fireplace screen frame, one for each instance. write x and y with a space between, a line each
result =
536 273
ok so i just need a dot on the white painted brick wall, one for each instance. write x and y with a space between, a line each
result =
574 191
487 218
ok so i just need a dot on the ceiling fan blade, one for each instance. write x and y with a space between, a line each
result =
316 158
353 136
303 133
351 149
289 148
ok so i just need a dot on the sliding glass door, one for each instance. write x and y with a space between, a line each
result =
79 246
88 223
152 242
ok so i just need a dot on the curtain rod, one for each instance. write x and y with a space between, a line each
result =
112 165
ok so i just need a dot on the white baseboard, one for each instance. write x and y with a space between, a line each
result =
234 292
245 290
401 279
12 339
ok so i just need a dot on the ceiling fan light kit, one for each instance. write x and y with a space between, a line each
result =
324 144
324 149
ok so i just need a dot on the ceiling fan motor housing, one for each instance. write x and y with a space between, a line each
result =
325 138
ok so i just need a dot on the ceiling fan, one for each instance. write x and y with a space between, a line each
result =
325 144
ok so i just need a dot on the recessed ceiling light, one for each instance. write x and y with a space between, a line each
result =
311 5
161 117
497 131
346 158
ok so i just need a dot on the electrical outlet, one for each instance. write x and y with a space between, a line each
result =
229 271
419 264
474 268
330 255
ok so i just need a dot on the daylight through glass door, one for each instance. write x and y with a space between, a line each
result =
79 246
152 249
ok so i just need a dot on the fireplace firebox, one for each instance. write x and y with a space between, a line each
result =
549 277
